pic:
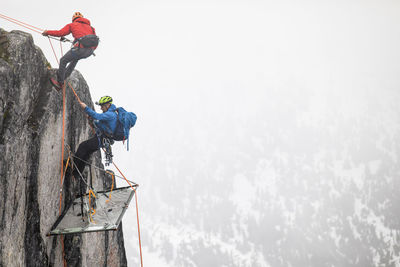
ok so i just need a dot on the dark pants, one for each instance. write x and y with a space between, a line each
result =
71 57
85 149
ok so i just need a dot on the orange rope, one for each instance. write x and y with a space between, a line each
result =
23 24
137 213
62 182
17 21
79 100
30 27
62 165
77 97
122 175
54 52
63 250
90 207
62 139
138 226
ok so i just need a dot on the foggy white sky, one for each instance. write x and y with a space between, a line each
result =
172 62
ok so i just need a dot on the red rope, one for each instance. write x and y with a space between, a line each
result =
23 24
122 174
137 213
32 28
54 52
62 154
63 250
62 166
77 97
62 139
138 226
62 182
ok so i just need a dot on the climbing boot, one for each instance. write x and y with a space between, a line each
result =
57 85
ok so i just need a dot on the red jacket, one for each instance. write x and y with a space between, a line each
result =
80 27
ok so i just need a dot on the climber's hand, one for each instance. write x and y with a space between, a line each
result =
45 33
83 105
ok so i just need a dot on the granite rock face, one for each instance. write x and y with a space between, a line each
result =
30 163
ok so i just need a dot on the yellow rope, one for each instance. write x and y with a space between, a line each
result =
90 207
112 185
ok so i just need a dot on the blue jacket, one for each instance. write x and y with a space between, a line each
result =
106 121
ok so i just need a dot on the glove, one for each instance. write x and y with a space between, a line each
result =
45 33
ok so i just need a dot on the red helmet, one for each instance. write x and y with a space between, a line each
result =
77 15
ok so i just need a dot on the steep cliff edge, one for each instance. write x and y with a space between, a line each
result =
30 144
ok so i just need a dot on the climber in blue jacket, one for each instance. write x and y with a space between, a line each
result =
106 121
105 124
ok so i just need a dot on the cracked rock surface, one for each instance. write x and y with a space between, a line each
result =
30 163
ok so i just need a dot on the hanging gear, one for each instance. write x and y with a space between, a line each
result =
106 144
88 41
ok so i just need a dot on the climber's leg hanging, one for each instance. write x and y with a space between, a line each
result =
79 53
70 56
85 149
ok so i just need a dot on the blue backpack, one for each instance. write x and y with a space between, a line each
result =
125 121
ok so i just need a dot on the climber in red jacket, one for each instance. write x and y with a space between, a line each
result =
85 42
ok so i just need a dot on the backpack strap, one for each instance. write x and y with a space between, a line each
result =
88 25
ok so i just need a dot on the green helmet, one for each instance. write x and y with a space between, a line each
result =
104 100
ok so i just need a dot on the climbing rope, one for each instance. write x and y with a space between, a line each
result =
54 52
23 24
100 169
62 165
138 225
137 213
40 31
61 187
81 176
62 138
30 27
62 182
92 211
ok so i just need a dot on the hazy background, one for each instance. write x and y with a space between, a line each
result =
267 131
